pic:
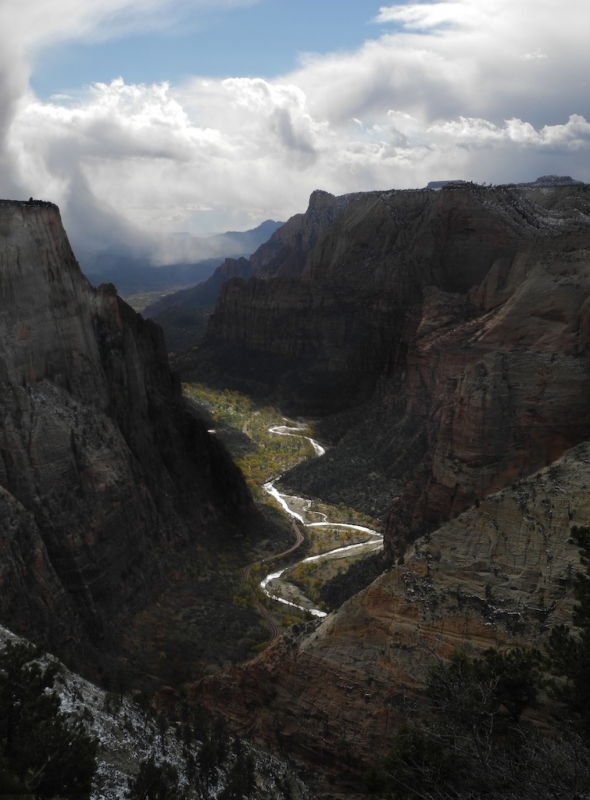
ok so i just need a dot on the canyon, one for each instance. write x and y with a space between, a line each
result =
333 694
442 337
439 338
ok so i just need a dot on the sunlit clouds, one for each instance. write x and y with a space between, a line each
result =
474 89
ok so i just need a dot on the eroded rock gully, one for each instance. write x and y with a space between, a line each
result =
499 575
102 465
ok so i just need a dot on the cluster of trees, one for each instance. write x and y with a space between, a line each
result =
475 739
47 754
155 782
43 752
207 748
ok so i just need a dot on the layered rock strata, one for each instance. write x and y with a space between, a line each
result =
499 575
102 465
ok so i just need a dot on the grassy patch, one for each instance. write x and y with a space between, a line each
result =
339 513
322 540
274 454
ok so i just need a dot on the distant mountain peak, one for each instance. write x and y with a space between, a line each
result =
557 180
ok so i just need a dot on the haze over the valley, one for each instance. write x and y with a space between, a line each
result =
142 119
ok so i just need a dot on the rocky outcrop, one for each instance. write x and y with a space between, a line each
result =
286 252
102 465
504 390
499 575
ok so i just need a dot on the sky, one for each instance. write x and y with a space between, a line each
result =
144 118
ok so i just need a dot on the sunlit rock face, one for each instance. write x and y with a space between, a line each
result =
499 575
461 315
101 463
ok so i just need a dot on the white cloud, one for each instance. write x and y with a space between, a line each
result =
537 55
35 22
573 136
477 89
428 16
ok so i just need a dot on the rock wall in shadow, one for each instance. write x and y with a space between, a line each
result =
102 464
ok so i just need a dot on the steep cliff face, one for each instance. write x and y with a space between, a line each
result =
361 269
298 341
184 315
275 335
101 462
499 575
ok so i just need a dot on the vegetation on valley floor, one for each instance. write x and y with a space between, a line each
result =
274 454
271 456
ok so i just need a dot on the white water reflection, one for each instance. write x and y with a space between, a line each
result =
280 498
286 430
272 586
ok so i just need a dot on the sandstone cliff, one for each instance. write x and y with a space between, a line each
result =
184 315
102 465
499 575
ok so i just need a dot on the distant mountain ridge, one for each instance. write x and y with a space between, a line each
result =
184 315
195 260
206 293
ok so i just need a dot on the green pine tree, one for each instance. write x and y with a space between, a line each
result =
155 782
41 750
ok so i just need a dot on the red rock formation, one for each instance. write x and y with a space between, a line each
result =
503 382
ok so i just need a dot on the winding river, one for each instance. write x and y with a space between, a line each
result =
274 585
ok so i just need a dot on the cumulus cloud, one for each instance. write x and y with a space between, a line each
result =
475 89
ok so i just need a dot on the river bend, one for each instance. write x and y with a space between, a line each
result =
274 585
